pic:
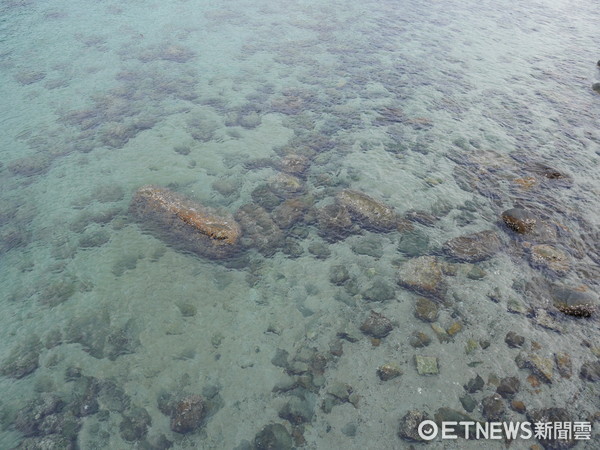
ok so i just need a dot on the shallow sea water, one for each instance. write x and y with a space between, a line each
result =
439 107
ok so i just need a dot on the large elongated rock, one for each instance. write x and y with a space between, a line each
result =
369 212
184 223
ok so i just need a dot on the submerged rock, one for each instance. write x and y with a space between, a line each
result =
290 212
573 302
508 387
188 414
334 222
548 257
260 231
409 424
379 291
473 247
423 275
388 371
426 310
519 220
553 415
369 212
590 371
294 164
185 223
273 437
426 365
514 340
134 426
493 408
23 359
377 325
418 339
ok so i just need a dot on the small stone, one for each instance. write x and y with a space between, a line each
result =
468 402
377 325
474 385
188 414
455 328
476 273
513 340
518 406
409 424
426 365
596 87
441 334
471 346
564 364
519 220
590 371
484 343
418 339
426 310
508 387
388 371
493 408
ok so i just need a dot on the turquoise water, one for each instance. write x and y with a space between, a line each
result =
452 109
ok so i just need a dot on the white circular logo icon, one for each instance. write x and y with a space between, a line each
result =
428 430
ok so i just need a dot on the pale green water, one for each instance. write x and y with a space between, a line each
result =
438 107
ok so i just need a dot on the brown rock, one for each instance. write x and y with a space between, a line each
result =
367 211
519 220
335 222
426 310
473 247
260 231
185 223
564 364
290 212
423 275
188 414
518 406
377 325
548 257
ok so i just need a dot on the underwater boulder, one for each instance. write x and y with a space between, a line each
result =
369 212
184 223
473 247
424 276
